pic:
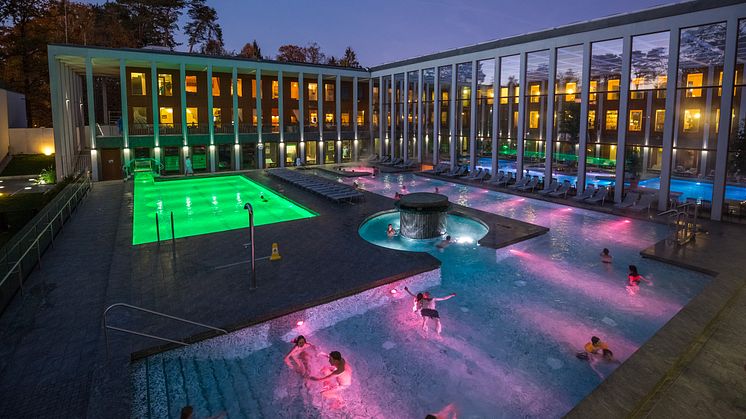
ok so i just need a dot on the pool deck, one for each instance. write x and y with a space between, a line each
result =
695 366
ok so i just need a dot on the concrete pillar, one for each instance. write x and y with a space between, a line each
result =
452 97
236 148
320 156
57 113
549 128
210 118
521 115
473 118
281 116
393 140
338 117
495 119
91 116
123 99
420 143
301 116
355 147
260 146
436 118
182 94
623 117
584 103
381 118
405 131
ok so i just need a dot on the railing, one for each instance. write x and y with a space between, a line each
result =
683 228
108 327
198 129
23 253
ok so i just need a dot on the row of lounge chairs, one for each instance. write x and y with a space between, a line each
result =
335 191
387 161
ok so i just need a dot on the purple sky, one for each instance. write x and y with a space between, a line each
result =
389 30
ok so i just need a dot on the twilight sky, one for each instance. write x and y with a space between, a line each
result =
389 30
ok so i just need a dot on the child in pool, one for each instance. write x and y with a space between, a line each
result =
299 355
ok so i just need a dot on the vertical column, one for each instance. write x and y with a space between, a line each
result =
381 118
452 121
370 116
182 94
436 118
55 87
260 146
473 118
549 128
236 147
355 150
338 117
393 140
495 118
210 118
320 156
420 143
521 116
726 103
405 131
123 99
585 84
281 116
668 121
91 115
154 96
301 118
623 117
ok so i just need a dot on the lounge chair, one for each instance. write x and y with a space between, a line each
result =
645 202
562 190
505 180
373 158
442 168
552 187
496 178
599 196
394 162
520 183
480 177
458 171
384 160
531 185
587 193
474 174
629 200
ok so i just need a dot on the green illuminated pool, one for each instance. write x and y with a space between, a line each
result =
205 205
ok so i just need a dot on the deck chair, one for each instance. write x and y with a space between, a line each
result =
562 190
587 193
629 200
599 196
552 187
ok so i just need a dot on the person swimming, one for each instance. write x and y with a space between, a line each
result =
634 277
261 196
416 300
594 347
299 355
339 371
390 232
605 256
437 190
444 243
428 311
448 412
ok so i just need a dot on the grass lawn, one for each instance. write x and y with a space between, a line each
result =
28 164
17 210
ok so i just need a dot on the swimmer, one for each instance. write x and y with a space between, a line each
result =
261 196
390 231
444 243
594 347
339 372
404 188
448 412
416 300
437 190
605 256
397 196
187 412
298 355
355 184
427 310
634 277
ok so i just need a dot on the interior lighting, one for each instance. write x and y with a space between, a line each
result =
697 115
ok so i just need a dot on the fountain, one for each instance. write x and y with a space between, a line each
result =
422 215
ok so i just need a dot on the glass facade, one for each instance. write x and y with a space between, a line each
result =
485 74
535 114
463 112
444 127
567 93
734 206
507 142
428 113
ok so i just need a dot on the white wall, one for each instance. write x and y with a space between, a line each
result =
4 141
31 140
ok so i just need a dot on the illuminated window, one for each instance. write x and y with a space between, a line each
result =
515 119
465 93
329 118
361 117
137 81
444 96
254 117
140 115
345 118
294 90
717 117
533 119
216 86
314 118
691 120
693 80
593 88
166 117
239 83
515 93
275 116
570 90
635 120
191 117
503 95
313 91
165 85
253 88
591 119
634 88
535 92
275 89
329 92
191 84
613 88
611 120
217 117
660 117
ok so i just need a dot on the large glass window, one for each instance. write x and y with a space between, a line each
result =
568 85
537 82
463 112
191 84
510 69
215 86
444 95
485 96
166 117
428 112
165 85
734 207
411 119
138 84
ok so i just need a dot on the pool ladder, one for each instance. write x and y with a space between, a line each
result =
108 327
683 226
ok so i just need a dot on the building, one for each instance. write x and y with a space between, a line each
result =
650 99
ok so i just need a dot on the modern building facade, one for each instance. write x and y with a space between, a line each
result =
651 99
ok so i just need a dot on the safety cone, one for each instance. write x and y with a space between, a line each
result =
275 252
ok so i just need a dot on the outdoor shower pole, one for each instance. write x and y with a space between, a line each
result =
250 209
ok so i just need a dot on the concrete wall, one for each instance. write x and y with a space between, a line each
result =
4 140
16 110
31 141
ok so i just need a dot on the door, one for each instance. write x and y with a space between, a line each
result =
111 164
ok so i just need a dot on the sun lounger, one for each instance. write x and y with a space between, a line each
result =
599 196
505 180
520 183
552 187
531 185
645 202
473 174
480 177
457 172
562 190
587 193
629 200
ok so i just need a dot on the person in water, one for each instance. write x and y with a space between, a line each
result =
605 256
390 231
634 277
437 190
448 412
338 372
397 196
444 243
596 347
428 311
261 196
187 412
416 300
298 355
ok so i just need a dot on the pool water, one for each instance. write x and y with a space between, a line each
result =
509 335
205 205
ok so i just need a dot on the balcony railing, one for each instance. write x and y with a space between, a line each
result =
198 129
246 128
224 129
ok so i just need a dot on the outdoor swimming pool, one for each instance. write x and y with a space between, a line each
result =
509 336
205 205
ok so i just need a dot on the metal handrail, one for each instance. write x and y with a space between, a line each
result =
35 243
157 313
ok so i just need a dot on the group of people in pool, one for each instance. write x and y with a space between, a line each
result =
633 276
391 233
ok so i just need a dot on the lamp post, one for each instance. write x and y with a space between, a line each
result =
250 209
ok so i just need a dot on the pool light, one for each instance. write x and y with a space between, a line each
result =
393 291
299 323
27 187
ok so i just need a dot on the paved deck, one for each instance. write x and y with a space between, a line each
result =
695 366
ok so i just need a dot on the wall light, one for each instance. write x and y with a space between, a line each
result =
48 150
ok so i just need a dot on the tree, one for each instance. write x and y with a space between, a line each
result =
314 54
291 53
332 60
203 28
251 50
349 59
153 22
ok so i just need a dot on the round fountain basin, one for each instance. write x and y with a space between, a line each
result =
422 215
